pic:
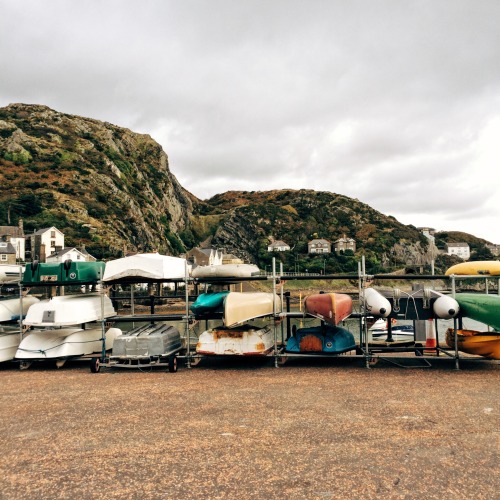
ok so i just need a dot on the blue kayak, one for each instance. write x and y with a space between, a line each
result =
209 303
321 339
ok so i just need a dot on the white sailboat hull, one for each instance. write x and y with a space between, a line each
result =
9 342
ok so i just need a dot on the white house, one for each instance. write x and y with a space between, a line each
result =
278 246
461 250
319 246
70 253
428 232
45 242
15 236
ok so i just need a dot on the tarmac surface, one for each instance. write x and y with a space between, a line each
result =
313 428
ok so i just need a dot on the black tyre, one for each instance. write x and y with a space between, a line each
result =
172 364
95 365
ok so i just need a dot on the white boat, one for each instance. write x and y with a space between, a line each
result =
226 271
10 273
145 266
10 337
68 310
66 327
10 308
243 340
61 344
240 307
379 331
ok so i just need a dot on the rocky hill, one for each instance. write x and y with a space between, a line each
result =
111 190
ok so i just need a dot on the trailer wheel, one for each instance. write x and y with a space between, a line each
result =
372 361
172 364
95 365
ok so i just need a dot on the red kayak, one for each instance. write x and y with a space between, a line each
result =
329 307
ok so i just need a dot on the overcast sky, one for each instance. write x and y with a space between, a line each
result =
393 102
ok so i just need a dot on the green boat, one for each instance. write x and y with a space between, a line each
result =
63 273
481 307
209 303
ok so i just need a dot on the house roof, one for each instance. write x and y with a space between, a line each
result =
15 231
457 245
6 247
279 243
44 230
319 240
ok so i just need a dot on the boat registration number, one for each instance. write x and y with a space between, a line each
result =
49 277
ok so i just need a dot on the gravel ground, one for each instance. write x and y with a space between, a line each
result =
314 428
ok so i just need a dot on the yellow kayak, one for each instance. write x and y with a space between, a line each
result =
485 344
491 267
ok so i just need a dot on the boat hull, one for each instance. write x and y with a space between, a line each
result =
145 267
147 341
10 273
9 342
69 310
209 303
486 344
329 307
10 309
226 271
244 340
481 307
241 307
64 343
321 339
491 267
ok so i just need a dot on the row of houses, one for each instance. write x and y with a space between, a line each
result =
47 245
317 245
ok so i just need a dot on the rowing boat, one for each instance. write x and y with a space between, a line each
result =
325 339
240 307
329 307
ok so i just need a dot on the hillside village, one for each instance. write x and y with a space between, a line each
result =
48 245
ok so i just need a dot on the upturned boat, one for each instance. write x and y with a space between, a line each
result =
486 344
10 273
329 307
240 307
13 308
226 271
209 303
486 267
481 307
145 267
10 336
66 327
242 340
325 339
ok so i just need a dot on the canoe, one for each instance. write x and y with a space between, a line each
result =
244 340
65 343
325 339
145 267
240 307
481 307
375 303
486 344
10 308
329 307
226 271
209 303
491 267
69 310
62 273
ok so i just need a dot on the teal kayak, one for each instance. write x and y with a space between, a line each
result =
481 307
208 303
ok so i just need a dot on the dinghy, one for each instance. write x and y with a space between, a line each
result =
243 340
329 307
10 336
66 327
325 339
209 303
10 273
240 307
10 307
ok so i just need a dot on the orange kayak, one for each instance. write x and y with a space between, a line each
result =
485 344
329 307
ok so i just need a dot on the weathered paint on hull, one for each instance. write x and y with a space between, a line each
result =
321 339
329 307
244 340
